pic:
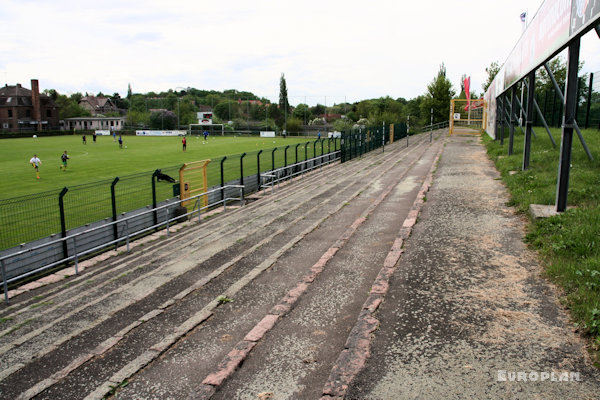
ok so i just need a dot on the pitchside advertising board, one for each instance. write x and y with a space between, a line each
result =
549 32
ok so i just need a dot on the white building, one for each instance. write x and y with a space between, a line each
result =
94 123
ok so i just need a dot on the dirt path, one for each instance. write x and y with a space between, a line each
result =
468 314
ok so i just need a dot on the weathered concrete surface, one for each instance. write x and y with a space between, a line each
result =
295 359
468 313
332 299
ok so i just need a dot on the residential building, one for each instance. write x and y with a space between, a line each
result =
98 105
24 109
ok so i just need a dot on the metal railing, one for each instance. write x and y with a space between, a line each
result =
125 234
438 125
270 178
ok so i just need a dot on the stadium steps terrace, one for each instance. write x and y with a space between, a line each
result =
167 317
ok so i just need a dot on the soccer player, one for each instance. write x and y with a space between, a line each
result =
184 142
35 162
64 157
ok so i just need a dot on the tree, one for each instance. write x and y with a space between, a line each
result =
187 112
138 118
492 71
76 97
163 120
283 96
129 91
386 117
294 125
343 125
53 94
226 110
69 108
318 110
438 96
137 102
302 112
413 109
119 102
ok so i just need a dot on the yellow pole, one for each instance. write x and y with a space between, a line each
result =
205 183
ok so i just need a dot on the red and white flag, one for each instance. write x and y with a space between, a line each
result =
467 84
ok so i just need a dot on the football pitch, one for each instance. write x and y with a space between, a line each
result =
104 159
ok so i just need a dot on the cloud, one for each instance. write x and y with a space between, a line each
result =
327 49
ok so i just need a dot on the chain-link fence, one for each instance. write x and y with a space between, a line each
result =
28 218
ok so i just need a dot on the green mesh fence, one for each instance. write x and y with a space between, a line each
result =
28 218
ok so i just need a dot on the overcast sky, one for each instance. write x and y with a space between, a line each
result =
328 50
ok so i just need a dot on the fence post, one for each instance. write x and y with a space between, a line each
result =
242 172
223 179
306 155
285 155
63 223
431 128
114 209
258 170
285 171
589 101
154 214
315 153
4 284
76 255
296 150
273 159
167 219
383 137
320 162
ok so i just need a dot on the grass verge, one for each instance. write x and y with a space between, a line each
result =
569 243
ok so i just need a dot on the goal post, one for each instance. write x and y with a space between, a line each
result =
467 116
198 129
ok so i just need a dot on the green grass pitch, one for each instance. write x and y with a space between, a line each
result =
105 160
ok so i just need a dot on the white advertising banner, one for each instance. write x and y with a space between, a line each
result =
160 133
554 25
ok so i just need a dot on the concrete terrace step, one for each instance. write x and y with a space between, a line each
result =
172 286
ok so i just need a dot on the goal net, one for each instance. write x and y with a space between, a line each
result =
212 129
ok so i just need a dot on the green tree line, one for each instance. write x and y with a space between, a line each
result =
242 110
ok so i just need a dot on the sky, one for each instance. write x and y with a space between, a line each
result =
330 51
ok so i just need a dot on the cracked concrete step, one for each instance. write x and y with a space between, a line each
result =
25 317
222 328
294 360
